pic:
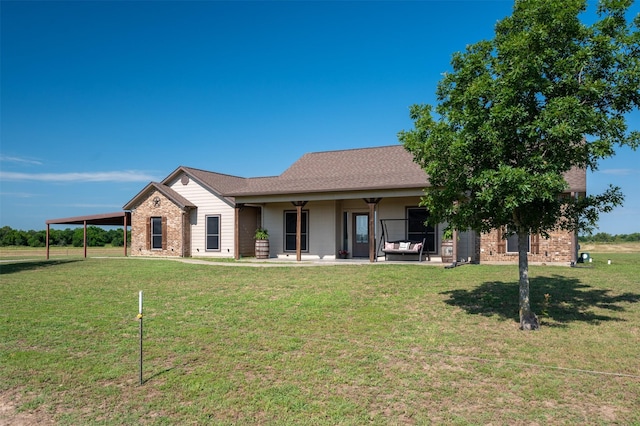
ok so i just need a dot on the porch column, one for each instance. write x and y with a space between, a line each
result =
299 205
236 231
455 245
372 202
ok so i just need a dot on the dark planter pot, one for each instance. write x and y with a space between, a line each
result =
262 249
447 251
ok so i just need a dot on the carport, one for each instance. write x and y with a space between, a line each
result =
107 219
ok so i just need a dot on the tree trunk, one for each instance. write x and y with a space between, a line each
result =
528 320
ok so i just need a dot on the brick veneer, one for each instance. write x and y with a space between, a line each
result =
178 229
558 248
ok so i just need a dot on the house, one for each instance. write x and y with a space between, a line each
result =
326 202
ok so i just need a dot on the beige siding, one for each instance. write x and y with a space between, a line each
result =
208 204
322 229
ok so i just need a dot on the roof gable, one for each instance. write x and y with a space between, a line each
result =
168 192
218 182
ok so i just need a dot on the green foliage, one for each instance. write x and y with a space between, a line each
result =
335 345
547 94
261 234
96 237
603 237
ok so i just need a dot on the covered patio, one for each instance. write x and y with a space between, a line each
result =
106 219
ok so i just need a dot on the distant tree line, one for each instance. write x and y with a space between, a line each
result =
99 237
603 237
96 237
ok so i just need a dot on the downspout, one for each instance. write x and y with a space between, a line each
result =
184 233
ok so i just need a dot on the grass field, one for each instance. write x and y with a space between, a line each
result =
350 345
56 252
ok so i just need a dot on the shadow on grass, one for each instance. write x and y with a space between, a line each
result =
18 266
558 299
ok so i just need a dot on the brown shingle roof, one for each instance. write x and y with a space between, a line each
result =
386 167
219 182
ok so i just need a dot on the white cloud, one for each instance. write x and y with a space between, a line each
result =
115 176
93 206
18 194
9 159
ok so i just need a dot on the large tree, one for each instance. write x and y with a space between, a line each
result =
517 112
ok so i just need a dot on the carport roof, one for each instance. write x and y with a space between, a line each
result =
105 219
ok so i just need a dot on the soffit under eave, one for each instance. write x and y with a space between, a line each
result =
327 196
104 219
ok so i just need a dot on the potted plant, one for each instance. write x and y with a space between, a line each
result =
262 243
446 246
343 254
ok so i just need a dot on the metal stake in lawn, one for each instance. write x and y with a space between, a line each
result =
140 318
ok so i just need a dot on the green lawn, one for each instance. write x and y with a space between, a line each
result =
350 345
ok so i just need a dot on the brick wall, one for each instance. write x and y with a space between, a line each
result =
558 248
177 227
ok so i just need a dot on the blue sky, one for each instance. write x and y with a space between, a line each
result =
99 98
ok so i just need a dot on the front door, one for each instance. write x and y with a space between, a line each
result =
360 235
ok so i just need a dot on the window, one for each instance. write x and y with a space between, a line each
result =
290 218
417 230
156 233
213 233
512 244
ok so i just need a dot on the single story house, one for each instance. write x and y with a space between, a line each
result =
325 205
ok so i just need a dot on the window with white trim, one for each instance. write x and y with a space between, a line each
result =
213 232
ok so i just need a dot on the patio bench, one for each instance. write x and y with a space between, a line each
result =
404 247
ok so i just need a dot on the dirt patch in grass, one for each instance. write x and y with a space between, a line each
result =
10 413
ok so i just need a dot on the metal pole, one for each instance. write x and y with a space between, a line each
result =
141 380
140 318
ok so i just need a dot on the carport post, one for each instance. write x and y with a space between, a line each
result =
47 242
124 236
85 239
